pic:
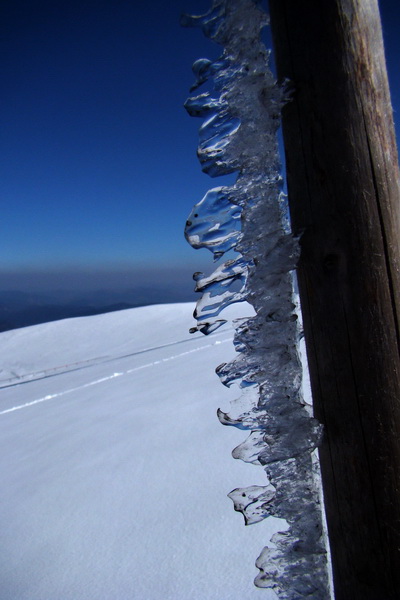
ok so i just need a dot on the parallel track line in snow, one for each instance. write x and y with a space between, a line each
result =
79 366
109 377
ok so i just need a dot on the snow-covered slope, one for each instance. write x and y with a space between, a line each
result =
114 466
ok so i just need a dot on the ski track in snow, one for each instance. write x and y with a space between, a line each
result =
78 366
109 377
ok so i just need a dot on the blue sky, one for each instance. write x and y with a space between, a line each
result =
99 167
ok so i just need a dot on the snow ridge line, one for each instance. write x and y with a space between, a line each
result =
109 377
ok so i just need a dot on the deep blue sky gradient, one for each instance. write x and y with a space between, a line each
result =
99 167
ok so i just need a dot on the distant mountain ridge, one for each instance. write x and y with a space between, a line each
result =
22 309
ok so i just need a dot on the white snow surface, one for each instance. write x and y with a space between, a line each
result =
114 466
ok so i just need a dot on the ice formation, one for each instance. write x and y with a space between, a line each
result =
239 134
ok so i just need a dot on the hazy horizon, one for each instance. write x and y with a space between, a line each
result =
86 279
100 168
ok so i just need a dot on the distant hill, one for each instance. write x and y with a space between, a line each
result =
33 315
21 309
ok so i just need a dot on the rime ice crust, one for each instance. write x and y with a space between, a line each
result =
250 217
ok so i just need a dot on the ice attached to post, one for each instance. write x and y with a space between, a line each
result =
249 218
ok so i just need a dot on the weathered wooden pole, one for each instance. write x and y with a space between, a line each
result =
343 184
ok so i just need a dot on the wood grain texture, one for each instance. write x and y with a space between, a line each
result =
344 196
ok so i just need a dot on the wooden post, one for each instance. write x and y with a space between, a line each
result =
343 184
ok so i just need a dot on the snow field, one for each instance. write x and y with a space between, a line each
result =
115 471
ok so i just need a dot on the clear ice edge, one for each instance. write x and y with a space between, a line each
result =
239 134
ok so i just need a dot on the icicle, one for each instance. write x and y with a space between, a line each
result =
250 218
